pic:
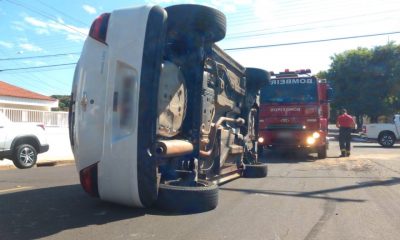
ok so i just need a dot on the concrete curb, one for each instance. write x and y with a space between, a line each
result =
7 167
55 163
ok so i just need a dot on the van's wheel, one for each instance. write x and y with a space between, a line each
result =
387 139
176 196
25 156
256 78
255 170
186 18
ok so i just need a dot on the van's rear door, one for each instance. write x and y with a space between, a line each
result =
127 172
90 101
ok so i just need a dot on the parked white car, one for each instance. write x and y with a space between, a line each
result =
385 133
21 142
160 114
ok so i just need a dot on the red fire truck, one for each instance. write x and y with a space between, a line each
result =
294 112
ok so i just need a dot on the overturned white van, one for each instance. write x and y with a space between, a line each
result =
159 114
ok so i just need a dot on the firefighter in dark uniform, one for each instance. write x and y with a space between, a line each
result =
346 124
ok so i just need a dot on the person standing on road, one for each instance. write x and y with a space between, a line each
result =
346 124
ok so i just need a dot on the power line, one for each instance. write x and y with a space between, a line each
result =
228 38
61 12
45 15
297 11
41 71
300 12
320 21
239 48
311 41
30 83
303 29
46 66
242 33
284 6
41 56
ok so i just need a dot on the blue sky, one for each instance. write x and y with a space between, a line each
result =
49 27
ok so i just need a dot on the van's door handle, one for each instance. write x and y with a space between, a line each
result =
84 101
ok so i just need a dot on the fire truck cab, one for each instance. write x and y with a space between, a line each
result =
294 112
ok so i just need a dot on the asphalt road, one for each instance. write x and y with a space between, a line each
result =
302 198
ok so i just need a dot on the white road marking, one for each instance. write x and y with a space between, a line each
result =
18 188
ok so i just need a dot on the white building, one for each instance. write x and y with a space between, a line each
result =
21 105
19 98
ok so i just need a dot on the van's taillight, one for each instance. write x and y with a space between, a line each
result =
88 177
98 30
41 126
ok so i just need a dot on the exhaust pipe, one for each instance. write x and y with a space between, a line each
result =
172 148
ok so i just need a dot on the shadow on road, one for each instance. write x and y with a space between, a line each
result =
281 156
324 193
40 213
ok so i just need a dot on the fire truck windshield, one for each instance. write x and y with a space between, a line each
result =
285 91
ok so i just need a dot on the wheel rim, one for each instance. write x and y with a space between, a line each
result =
27 156
387 140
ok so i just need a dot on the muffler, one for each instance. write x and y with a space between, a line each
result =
172 148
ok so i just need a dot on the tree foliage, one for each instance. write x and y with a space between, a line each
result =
63 102
322 74
367 81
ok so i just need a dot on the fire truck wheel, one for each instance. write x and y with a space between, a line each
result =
256 170
321 154
179 198
256 78
186 18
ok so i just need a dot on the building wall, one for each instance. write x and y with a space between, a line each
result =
56 119
26 103
29 107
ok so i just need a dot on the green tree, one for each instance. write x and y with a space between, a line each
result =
63 102
348 71
386 66
322 74
366 81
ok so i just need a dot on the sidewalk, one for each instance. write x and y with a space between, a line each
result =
59 152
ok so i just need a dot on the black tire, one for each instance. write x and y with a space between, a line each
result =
387 139
256 78
187 18
257 170
25 156
322 152
176 198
